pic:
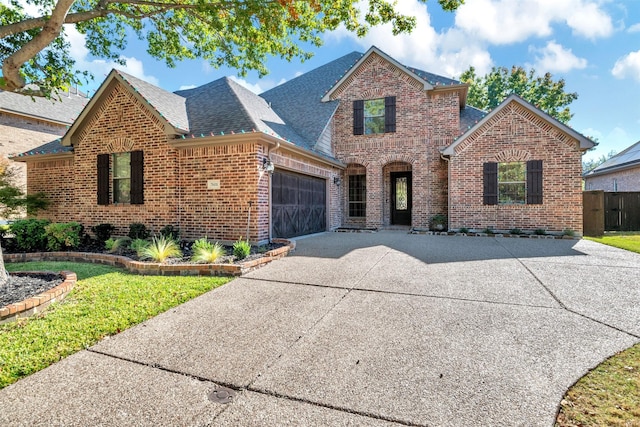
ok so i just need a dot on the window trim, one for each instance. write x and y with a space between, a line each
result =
519 182
117 180
360 189
389 116
106 182
533 185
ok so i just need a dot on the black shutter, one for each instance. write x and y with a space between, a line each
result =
103 179
358 117
490 173
137 178
390 114
534 182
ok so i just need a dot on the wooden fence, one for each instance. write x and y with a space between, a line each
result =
610 212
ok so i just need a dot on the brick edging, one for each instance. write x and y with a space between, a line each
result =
148 268
38 303
505 235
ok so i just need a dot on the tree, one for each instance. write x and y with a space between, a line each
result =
588 165
12 202
237 33
548 95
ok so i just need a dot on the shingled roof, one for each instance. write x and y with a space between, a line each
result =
167 104
627 159
63 108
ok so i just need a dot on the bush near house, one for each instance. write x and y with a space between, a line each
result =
30 234
63 235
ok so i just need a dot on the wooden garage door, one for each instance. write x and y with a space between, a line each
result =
298 204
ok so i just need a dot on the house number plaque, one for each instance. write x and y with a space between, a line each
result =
213 184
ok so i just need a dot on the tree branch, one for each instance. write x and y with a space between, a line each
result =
50 31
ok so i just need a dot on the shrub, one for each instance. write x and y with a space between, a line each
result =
162 248
139 245
116 245
488 230
138 231
102 231
463 230
241 249
205 251
515 231
568 232
30 234
170 232
63 235
540 231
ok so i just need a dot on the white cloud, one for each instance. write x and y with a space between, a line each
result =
627 66
99 67
187 87
512 21
255 88
555 58
635 28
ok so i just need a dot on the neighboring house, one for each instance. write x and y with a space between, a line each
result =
619 173
27 123
362 141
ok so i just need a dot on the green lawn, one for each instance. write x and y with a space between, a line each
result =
609 395
105 301
628 241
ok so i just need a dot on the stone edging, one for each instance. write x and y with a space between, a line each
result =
147 268
38 303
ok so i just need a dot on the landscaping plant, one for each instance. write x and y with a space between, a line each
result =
170 232
103 231
30 235
138 231
540 231
241 249
63 235
205 251
115 245
139 246
162 248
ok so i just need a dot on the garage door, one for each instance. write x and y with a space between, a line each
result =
298 203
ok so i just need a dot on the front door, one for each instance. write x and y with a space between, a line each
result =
401 198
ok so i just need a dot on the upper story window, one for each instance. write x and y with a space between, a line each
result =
121 175
374 116
512 183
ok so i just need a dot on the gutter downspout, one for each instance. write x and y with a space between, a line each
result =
448 160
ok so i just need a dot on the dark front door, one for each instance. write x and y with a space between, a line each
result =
298 204
401 198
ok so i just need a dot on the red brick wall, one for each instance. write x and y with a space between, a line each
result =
425 122
54 177
515 134
628 180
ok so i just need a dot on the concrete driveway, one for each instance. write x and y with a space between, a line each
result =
361 329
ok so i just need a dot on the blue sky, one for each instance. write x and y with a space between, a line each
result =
593 44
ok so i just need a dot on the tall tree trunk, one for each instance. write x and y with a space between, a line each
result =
4 275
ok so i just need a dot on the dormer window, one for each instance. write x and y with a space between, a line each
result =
374 116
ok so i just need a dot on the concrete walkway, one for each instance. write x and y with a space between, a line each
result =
361 329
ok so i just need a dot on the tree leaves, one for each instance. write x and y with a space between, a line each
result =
543 92
237 33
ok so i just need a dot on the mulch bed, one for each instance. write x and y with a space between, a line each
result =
19 288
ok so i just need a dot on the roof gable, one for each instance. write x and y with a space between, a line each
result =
585 143
374 51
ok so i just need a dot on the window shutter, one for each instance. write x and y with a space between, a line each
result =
534 182
137 178
490 173
103 179
390 114
358 117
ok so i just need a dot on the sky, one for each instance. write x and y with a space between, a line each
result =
594 45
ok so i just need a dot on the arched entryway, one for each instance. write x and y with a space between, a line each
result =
398 194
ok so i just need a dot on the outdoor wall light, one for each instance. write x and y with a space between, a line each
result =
267 166
337 181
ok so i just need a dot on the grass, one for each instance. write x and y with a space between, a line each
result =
628 241
609 395
105 301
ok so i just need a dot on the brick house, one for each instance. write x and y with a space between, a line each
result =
362 141
27 123
620 173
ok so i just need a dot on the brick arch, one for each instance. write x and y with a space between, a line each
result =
396 158
513 155
373 93
356 161
120 145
